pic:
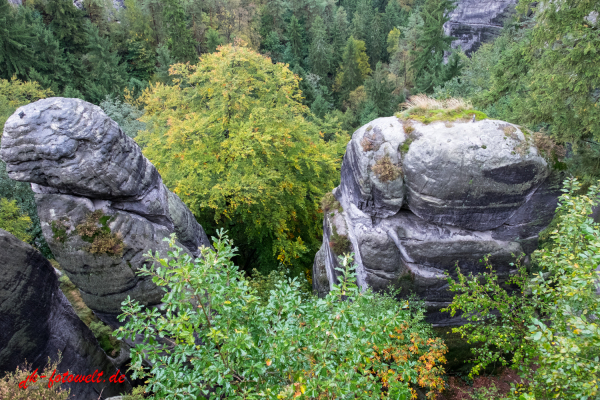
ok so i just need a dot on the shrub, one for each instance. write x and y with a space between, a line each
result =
548 146
223 343
124 114
13 220
549 327
329 203
340 244
385 170
370 142
96 231
9 385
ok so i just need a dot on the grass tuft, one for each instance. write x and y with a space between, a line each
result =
427 110
385 170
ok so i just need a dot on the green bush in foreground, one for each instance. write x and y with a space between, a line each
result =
219 341
549 326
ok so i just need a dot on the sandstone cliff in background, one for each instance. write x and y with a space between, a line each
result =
101 203
474 22
416 200
37 321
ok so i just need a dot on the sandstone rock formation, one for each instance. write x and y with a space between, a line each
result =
474 22
102 204
37 321
414 202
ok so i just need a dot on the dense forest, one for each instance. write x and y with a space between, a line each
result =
246 108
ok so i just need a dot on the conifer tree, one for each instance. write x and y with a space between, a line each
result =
354 68
296 38
179 37
379 89
339 33
428 60
320 51
67 25
16 54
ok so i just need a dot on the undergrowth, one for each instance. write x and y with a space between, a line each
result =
39 390
330 204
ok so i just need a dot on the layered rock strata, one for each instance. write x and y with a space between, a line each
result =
37 322
416 203
474 22
102 204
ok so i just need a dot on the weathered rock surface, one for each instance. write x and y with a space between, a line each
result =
466 190
474 22
37 322
79 162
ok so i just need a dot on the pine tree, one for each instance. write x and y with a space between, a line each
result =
104 74
213 40
273 47
376 37
354 68
339 33
16 54
361 22
296 38
379 90
164 60
67 25
320 51
395 15
432 43
179 37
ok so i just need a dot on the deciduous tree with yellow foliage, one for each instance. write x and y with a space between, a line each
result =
231 139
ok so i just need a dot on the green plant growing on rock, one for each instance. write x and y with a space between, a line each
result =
60 229
95 230
340 244
385 170
370 142
285 349
330 204
549 327
427 110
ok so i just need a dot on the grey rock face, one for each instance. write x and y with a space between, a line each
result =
37 321
474 22
467 190
80 162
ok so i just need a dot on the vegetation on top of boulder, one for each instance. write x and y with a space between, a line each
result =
426 109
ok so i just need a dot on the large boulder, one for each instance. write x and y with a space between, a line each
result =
37 322
102 204
418 200
474 22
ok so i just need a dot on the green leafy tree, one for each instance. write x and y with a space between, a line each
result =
549 324
345 345
13 220
165 61
13 94
320 51
273 47
230 138
354 68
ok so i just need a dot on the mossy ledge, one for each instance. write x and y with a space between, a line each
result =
428 116
95 230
